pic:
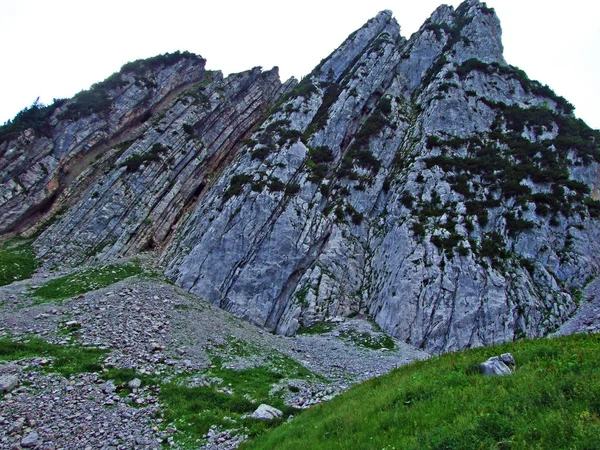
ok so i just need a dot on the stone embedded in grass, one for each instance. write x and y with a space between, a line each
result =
508 359
495 366
266 412
135 383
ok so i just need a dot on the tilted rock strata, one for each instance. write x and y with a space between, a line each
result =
142 195
424 182
376 227
36 168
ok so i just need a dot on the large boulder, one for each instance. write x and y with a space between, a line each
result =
266 412
495 366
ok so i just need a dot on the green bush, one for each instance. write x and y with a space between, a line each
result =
93 101
292 189
188 129
493 246
407 199
260 153
236 185
322 115
276 185
287 135
34 117
322 154
516 225
135 161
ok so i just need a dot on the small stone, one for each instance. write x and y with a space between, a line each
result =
109 387
30 440
266 412
8 382
154 347
135 383
494 366
17 425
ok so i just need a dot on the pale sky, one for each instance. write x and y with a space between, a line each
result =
55 48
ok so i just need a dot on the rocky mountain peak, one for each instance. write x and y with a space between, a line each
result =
424 183
382 26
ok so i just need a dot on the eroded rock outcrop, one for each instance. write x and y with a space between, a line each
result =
62 140
426 183
149 182
423 181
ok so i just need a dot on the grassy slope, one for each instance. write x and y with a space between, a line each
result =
551 402
17 261
88 280
67 360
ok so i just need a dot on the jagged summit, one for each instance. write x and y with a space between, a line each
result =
423 182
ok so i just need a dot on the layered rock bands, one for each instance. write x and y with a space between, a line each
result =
423 182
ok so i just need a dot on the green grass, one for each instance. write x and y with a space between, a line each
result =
551 402
316 328
67 360
368 340
17 261
193 410
84 281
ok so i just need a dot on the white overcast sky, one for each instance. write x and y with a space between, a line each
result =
55 48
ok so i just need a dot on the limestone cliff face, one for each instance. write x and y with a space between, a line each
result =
409 180
39 164
133 198
423 182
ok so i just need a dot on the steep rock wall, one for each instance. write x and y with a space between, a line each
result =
148 183
423 182
40 163
387 184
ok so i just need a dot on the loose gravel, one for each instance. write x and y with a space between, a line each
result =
157 329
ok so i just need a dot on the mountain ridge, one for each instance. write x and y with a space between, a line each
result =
423 182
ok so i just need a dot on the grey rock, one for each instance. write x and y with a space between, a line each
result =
495 366
155 347
8 382
109 387
508 359
404 221
17 425
145 190
135 383
38 170
266 412
283 261
30 440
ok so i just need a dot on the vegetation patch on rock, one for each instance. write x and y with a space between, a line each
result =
81 282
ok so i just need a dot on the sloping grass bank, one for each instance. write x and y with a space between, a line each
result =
551 402
17 261
91 279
